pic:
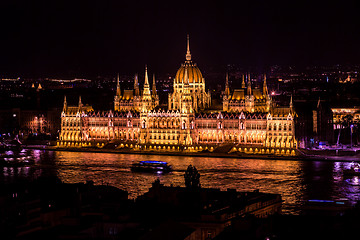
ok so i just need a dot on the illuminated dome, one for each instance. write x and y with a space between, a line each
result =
193 73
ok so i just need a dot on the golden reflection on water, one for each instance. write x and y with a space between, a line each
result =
296 181
283 177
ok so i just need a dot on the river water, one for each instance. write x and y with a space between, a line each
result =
296 181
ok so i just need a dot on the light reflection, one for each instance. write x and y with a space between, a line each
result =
241 174
346 186
296 181
9 152
356 180
36 154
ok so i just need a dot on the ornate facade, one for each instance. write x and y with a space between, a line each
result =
131 100
246 98
248 123
189 80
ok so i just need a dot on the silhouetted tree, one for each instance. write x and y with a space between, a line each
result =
187 176
192 177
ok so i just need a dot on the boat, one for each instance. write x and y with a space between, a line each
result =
13 145
15 160
326 207
354 170
151 166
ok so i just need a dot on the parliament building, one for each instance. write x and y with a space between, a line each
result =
249 122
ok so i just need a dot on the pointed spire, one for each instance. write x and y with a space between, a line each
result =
146 76
154 86
243 81
65 104
118 91
249 85
265 90
227 89
188 55
136 85
291 102
146 90
136 80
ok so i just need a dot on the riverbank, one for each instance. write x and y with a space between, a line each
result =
299 157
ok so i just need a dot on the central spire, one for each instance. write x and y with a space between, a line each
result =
146 90
146 76
188 55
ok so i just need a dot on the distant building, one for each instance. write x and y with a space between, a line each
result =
30 121
249 121
340 113
346 118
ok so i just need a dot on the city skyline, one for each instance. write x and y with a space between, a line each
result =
67 38
179 120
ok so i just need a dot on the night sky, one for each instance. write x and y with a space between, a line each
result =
60 38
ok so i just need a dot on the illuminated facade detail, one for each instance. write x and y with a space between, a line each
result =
248 121
340 113
246 99
189 74
103 127
131 100
280 132
74 121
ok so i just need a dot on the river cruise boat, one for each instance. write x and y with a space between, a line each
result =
151 166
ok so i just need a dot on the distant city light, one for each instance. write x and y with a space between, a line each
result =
272 93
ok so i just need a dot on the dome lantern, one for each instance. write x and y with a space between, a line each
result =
193 72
